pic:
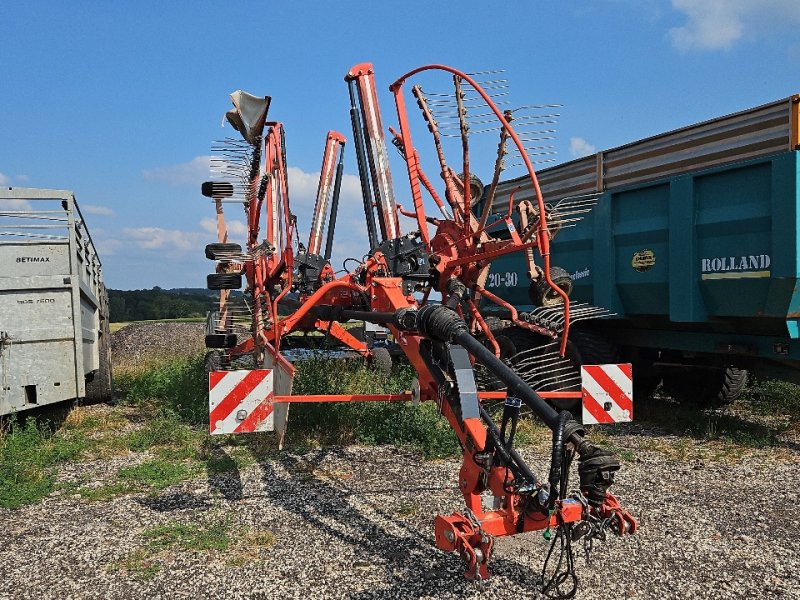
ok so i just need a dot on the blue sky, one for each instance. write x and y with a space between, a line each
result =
120 102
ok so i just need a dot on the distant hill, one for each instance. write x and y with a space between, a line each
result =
157 303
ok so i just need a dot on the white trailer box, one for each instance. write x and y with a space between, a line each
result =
54 335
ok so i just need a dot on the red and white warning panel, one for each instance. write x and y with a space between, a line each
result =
607 393
240 401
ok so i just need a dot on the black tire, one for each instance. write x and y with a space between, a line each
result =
707 387
593 348
224 281
219 251
475 188
221 340
100 387
541 294
381 361
213 361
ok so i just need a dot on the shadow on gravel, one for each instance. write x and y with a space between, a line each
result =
223 474
412 565
734 424
175 501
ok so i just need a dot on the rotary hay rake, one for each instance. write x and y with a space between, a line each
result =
445 341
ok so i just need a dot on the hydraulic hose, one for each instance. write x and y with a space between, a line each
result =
557 457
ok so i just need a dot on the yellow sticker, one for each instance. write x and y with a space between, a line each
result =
644 260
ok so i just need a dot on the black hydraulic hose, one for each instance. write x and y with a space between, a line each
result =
337 186
557 457
510 457
363 175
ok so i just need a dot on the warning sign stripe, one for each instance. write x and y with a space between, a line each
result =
232 399
596 409
256 416
609 378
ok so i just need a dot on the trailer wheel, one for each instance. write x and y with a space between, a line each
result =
219 251
593 348
224 281
707 387
542 294
100 387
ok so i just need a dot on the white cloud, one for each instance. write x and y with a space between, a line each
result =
4 179
719 24
93 209
579 147
16 204
194 172
170 240
235 228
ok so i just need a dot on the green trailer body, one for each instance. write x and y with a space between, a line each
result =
693 242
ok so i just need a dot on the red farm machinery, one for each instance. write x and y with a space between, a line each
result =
463 361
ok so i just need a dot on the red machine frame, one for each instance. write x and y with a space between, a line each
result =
459 253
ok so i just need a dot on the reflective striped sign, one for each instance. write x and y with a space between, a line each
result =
607 393
240 401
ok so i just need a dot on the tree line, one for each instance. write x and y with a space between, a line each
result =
155 304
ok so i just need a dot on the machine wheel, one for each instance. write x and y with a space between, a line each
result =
224 281
475 188
219 251
212 361
221 340
381 360
542 294
707 387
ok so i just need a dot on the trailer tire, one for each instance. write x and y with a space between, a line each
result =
224 281
100 388
541 294
218 251
712 388
593 348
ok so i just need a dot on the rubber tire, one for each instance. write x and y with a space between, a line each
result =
542 294
219 250
593 349
705 387
221 340
381 361
224 281
212 361
100 388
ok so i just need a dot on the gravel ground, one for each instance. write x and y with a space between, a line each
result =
357 523
138 343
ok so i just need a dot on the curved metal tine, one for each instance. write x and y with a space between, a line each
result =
524 118
538 106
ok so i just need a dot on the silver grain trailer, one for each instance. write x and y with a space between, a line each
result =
54 333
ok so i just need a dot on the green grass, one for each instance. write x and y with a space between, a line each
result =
29 455
197 537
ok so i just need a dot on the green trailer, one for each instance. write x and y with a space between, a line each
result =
692 244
